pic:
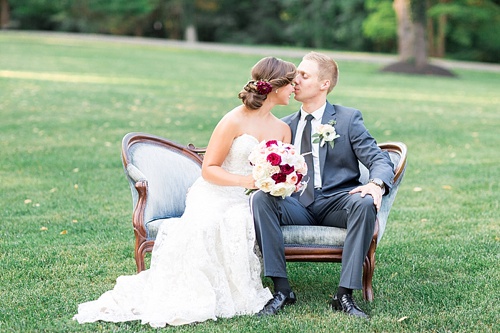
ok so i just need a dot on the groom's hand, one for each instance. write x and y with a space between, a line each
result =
371 189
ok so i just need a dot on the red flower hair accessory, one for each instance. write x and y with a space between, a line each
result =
264 87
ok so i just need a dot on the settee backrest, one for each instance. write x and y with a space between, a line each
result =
170 169
169 173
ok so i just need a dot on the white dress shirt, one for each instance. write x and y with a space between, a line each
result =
318 115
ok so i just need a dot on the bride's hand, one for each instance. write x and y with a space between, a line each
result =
248 182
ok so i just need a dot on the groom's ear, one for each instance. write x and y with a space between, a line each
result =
325 85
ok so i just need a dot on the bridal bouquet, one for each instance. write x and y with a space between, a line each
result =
278 168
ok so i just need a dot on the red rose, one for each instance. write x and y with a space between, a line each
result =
279 178
271 143
299 178
287 169
274 159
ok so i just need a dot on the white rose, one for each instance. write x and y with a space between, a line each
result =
265 184
282 190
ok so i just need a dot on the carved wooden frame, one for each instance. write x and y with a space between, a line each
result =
142 244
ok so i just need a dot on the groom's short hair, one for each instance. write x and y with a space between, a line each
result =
328 69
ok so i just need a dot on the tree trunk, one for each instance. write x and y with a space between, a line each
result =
420 45
138 31
441 37
431 38
4 14
405 30
436 32
190 35
419 18
412 40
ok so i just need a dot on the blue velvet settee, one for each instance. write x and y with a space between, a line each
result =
160 172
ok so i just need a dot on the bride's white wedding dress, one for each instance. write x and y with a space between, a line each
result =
203 265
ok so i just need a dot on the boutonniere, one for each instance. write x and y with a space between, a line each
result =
325 133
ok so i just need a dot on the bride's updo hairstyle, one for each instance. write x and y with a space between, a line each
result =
268 74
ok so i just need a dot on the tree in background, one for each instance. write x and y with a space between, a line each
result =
436 27
463 29
112 16
4 14
466 29
380 25
35 14
241 22
325 24
123 17
412 40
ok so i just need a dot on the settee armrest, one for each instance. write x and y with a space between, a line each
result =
397 152
134 173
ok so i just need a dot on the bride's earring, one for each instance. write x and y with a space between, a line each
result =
276 90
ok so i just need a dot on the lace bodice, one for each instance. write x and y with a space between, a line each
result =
237 160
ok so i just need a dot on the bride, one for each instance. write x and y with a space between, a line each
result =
203 264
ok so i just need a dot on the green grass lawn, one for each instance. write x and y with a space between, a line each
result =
66 232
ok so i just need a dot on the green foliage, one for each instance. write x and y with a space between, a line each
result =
473 28
356 25
243 22
66 210
380 25
36 14
418 11
113 16
325 24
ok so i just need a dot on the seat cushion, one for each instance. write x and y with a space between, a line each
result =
313 236
153 226
293 235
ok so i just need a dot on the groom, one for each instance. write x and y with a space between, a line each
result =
334 196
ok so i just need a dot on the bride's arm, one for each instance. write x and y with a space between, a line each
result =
287 133
218 148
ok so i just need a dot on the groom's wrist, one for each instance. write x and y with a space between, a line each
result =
379 183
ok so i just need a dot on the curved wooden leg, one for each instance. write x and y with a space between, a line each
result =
140 253
139 261
368 269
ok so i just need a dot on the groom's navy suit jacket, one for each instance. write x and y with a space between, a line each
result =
339 165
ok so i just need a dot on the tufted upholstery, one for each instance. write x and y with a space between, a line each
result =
160 173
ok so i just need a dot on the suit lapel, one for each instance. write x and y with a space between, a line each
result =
328 115
294 121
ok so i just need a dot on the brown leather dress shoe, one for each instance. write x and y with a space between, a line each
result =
346 304
277 303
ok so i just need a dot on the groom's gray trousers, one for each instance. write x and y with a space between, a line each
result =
341 209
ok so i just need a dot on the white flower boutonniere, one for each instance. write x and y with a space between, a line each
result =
326 133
